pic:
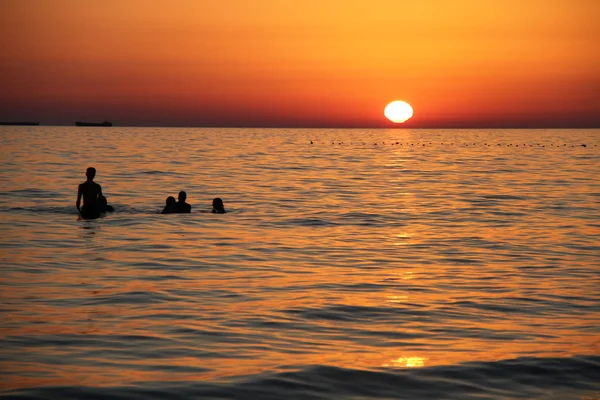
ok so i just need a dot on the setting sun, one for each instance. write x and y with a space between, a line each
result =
398 111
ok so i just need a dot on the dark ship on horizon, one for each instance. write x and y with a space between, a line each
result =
105 123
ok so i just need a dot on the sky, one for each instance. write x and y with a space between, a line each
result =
310 63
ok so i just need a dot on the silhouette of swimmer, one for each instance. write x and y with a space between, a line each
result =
91 193
181 206
218 206
169 205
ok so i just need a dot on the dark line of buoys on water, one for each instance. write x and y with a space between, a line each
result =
522 145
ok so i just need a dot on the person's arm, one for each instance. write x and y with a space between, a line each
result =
79 194
99 190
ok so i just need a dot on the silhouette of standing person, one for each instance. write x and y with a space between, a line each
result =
91 193
181 206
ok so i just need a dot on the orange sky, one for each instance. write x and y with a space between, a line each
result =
466 63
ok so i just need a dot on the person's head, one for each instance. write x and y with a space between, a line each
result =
170 201
218 205
90 172
182 196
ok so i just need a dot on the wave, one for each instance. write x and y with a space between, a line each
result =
532 378
71 210
364 219
119 209
312 222
65 210
503 197
33 193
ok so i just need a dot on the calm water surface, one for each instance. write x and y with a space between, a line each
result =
371 264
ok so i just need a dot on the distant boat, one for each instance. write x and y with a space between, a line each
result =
105 123
19 123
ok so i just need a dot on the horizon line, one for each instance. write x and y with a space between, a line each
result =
482 127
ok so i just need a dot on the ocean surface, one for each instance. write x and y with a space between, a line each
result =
368 264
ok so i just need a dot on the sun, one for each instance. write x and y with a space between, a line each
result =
398 111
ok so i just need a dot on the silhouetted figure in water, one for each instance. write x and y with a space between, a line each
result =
91 192
103 205
218 206
169 205
181 206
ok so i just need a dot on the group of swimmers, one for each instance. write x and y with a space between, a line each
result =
180 206
95 203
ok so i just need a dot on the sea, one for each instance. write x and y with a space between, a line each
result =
351 264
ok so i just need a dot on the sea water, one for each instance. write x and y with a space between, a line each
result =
351 264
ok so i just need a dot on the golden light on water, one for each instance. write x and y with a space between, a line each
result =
397 299
406 362
403 239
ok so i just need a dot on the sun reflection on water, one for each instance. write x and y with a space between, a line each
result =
403 239
406 362
397 299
